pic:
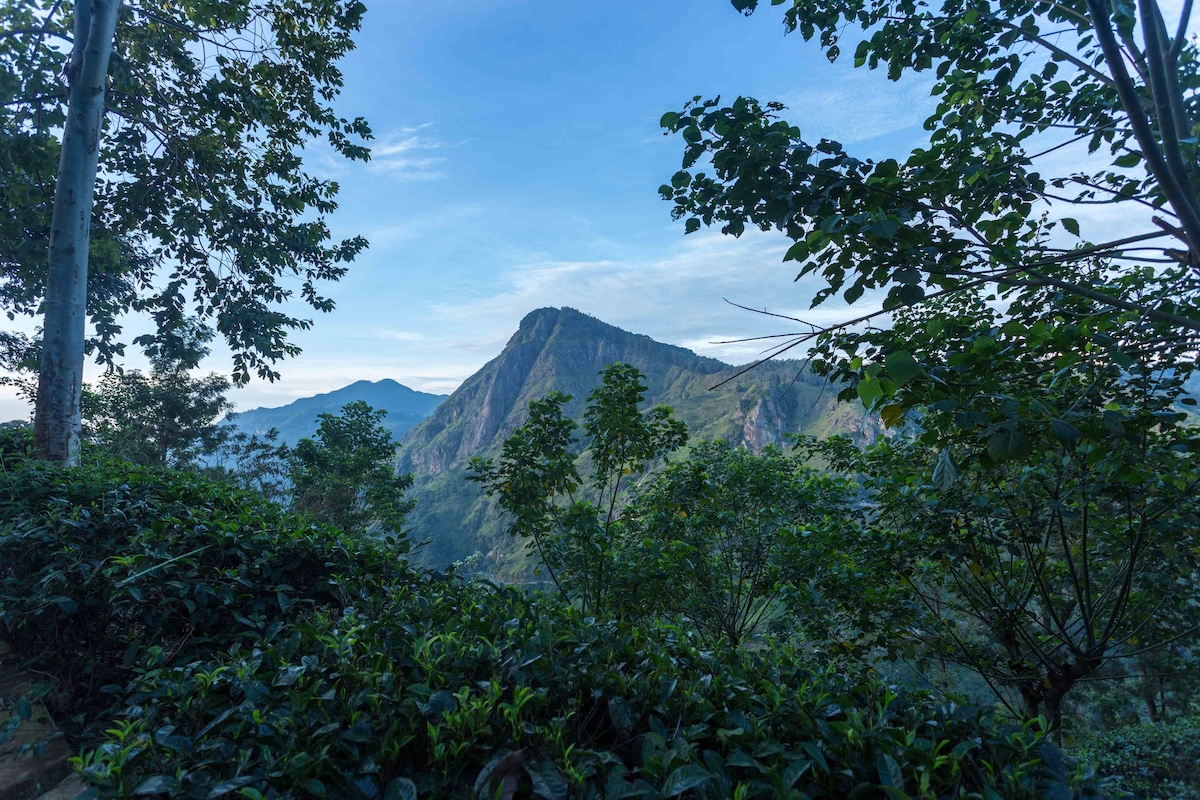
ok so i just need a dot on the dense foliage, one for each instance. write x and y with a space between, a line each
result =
982 202
1156 761
346 475
1034 576
174 131
732 532
575 524
166 417
202 642
1037 506
208 106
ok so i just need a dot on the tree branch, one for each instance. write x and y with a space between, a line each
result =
1141 128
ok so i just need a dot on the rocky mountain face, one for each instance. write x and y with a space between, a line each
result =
405 407
565 350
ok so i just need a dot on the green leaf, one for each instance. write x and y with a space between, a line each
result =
440 703
1065 432
687 777
158 784
618 712
24 708
1128 160
794 771
548 782
619 787
228 786
400 789
884 228
964 747
1071 225
891 415
797 252
945 471
889 771
503 771
1007 444
902 367
691 226
869 390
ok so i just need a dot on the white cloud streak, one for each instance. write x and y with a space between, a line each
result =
404 155
863 104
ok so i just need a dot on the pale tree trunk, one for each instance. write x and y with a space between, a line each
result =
60 381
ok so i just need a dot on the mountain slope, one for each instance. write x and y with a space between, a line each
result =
565 350
405 408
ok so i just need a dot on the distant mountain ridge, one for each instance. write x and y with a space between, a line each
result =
405 408
565 350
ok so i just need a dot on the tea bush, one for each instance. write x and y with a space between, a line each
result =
205 644
109 567
1152 761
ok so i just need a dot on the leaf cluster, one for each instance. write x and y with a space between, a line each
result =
346 474
1151 759
203 204
219 645
1034 574
577 526
731 530
1016 83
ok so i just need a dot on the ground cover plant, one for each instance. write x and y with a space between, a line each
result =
213 645
1151 760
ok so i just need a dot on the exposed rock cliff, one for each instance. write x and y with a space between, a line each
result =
565 350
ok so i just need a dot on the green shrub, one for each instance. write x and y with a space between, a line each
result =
214 646
454 687
1154 761
107 567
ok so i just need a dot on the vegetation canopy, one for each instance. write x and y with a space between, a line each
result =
1023 87
185 122
231 647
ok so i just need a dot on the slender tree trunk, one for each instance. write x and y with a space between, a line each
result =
60 381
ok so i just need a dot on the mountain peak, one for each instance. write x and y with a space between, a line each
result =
540 323
540 316
565 350
405 407
555 349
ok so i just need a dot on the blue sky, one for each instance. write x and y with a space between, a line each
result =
517 161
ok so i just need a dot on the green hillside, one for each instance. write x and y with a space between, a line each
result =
405 407
564 350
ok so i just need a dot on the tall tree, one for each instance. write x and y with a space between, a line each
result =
577 525
730 523
1036 576
1053 476
185 120
1016 82
166 417
56 427
346 474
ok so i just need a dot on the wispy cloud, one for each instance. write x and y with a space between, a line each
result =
405 154
677 298
860 105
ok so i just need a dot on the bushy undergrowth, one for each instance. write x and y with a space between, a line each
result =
205 644
1152 761
109 568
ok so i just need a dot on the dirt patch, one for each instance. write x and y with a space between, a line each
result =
33 753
